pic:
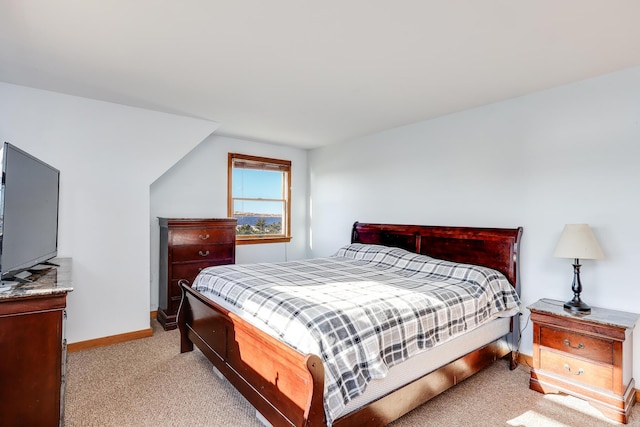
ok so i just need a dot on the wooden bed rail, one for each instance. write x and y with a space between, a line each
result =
284 385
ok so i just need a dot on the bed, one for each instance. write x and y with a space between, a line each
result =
286 384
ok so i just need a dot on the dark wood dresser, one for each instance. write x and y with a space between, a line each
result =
33 348
585 355
187 245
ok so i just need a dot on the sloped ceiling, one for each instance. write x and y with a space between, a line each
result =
310 73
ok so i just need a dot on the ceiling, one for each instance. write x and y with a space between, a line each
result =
311 73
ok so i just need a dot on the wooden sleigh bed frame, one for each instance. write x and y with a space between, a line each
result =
287 387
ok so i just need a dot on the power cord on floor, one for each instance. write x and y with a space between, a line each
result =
521 330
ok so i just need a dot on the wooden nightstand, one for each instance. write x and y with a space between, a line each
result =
587 356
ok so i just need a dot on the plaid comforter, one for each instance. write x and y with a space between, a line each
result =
362 310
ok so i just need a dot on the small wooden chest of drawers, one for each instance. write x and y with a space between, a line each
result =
187 245
588 356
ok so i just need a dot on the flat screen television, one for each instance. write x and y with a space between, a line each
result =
29 199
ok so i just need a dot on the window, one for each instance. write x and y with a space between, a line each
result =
259 196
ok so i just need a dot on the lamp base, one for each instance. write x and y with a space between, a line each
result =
577 306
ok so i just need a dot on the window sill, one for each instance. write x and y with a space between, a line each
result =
258 240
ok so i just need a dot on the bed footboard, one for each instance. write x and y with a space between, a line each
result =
285 386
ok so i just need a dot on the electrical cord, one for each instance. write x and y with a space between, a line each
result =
521 330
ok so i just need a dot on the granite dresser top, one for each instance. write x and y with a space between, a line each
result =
45 280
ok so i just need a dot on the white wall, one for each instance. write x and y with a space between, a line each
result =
108 156
196 186
567 155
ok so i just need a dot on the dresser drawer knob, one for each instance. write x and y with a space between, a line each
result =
568 343
203 237
205 253
568 368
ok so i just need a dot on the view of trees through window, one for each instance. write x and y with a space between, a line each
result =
260 226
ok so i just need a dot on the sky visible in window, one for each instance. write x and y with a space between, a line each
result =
257 184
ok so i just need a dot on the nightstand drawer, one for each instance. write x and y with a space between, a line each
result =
576 369
591 348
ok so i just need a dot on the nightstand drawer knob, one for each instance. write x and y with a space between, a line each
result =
567 342
205 253
580 371
203 237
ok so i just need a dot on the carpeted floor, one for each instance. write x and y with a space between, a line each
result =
148 382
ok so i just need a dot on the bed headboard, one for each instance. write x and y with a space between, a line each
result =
497 248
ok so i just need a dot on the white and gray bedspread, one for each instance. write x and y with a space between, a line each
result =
362 310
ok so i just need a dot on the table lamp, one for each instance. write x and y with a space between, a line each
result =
578 242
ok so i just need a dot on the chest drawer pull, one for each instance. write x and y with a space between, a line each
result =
568 368
205 253
567 342
203 237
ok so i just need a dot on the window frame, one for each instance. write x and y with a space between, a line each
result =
286 222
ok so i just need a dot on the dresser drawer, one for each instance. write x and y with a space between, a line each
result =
595 349
174 303
174 289
576 369
198 236
202 252
189 270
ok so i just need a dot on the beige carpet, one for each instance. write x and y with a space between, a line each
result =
149 383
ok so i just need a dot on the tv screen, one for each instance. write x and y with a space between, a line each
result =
28 211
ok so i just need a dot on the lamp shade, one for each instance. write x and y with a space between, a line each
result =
577 241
